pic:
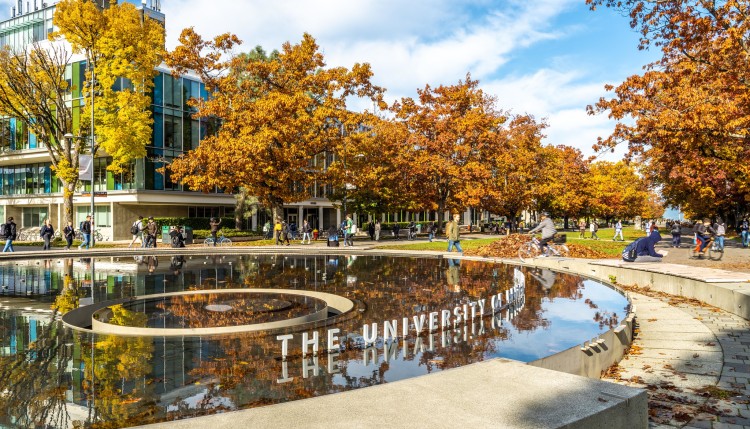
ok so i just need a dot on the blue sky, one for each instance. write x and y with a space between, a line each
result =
548 58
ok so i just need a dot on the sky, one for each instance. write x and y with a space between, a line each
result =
546 58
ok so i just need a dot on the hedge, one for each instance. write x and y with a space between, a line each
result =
193 222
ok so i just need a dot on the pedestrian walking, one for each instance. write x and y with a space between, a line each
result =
8 232
267 230
582 228
676 232
432 230
277 231
371 230
69 234
593 228
86 232
150 234
377 230
396 230
720 229
306 231
285 233
46 232
453 234
618 231
745 231
136 229
349 231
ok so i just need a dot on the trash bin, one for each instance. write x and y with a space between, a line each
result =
165 238
187 234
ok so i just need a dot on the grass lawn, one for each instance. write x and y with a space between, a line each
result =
604 245
440 246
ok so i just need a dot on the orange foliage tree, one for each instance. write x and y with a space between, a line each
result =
617 191
451 131
517 166
687 115
276 115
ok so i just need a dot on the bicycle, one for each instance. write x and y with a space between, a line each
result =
532 249
715 252
220 241
412 234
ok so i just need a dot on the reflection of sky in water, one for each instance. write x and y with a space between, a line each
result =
557 314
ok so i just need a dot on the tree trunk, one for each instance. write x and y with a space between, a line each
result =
565 220
68 191
440 214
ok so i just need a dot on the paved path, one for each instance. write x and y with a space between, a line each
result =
689 356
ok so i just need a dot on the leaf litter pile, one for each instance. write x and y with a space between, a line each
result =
507 247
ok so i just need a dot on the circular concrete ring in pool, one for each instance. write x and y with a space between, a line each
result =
96 314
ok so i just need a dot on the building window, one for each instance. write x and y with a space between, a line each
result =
33 216
102 216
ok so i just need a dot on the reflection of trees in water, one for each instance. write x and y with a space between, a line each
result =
35 380
115 373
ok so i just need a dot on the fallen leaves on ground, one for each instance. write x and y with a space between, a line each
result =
508 246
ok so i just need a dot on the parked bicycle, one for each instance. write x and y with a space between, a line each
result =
97 235
220 241
713 250
532 249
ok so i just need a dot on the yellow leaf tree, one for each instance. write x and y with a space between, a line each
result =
33 90
277 113
122 47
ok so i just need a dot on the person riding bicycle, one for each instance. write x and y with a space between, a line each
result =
412 230
547 227
701 230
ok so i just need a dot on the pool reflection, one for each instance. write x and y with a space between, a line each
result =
56 377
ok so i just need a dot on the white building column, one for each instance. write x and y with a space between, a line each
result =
300 212
467 217
254 221
320 218
338 217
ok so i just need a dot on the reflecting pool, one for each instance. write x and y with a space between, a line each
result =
412 316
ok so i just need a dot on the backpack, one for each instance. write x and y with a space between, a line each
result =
629 253
134 230
80 226
354 228
4 230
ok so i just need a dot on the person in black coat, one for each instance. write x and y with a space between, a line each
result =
46 232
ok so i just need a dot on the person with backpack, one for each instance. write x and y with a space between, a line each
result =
86 232
593 228
175 234
676 232
46 232
8 232
377 230
745 231
582 228
644 249
69 234
136 229
267 230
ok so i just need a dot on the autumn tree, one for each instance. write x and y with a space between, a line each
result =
33 89
687 115
451 129
122 47
617 191
518 167
566 194
277 114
